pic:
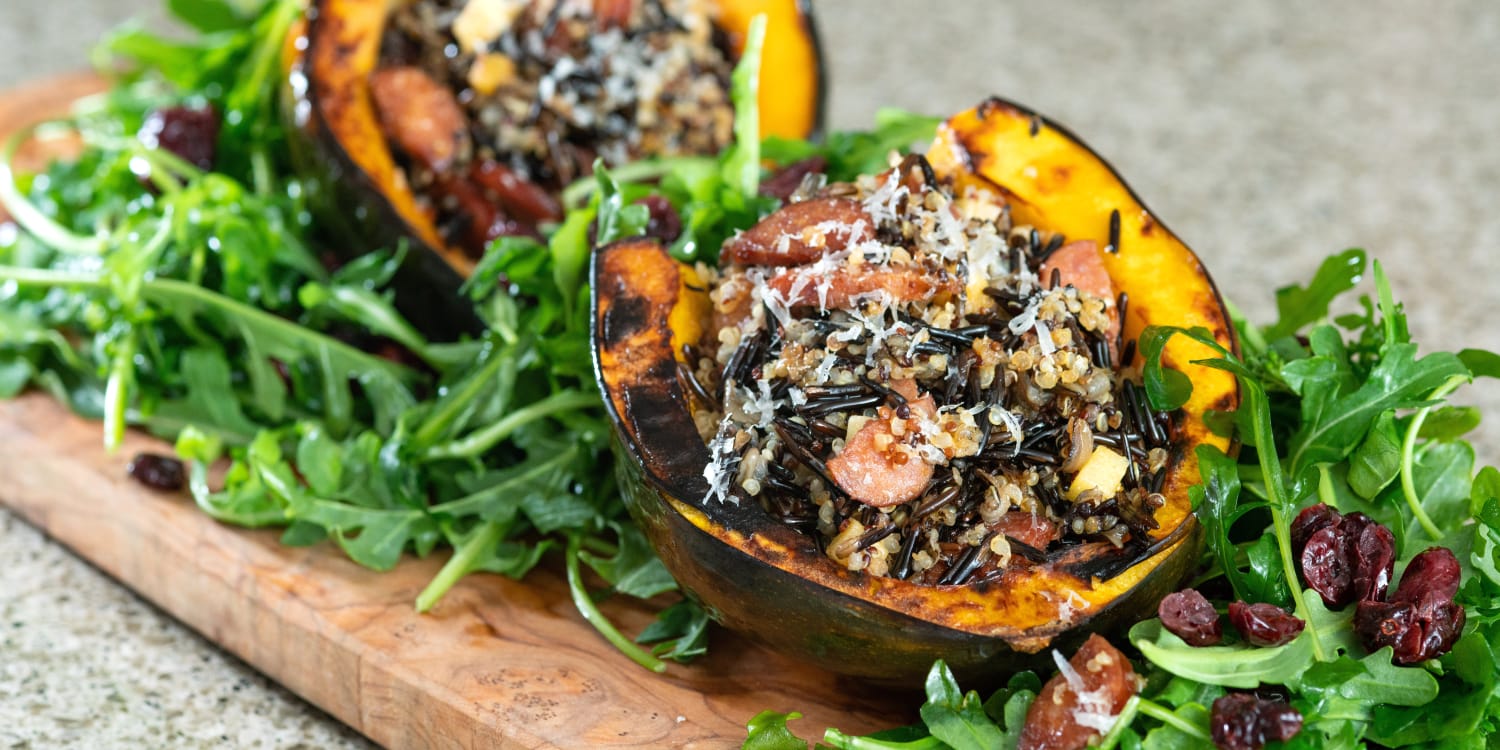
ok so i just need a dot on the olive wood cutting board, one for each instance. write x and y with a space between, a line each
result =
498 663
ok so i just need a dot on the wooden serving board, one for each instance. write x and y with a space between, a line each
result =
498 663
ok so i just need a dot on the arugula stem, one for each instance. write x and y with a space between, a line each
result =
117 391
1278 502
471 502
172 293
461 563
455 402
578 193
1123 721
591 613
480 441
51 233
1408 455
1254 337
835 738
1160 713
390 324
600 547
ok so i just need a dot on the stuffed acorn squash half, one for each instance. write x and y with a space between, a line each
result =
448 123
902 420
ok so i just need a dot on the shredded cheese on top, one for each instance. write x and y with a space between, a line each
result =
718 472
1093 709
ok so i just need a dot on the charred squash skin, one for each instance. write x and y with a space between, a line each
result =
362 192
769 582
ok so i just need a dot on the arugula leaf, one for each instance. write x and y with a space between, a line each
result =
1377 460
615 219
1331 429
767 730
852 153
680 632
742 163
1217 503
1266 578
1298 306
633 568
1481 363
208 15
955 717
1465 696
1339 698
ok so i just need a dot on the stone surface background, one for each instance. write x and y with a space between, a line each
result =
1267 134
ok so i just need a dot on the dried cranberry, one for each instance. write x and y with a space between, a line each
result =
1241 721
157 472
1312 519
1413 636
191 133
785 181
664 223
1190 617
1344 558
1421 621
471 220
1264 624
1433 573
519 197
1325 565
1372 555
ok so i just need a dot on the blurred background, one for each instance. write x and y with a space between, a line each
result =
1268 135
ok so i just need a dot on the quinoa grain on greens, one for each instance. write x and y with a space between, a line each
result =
928 391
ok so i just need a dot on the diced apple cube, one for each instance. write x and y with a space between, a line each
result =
1103 471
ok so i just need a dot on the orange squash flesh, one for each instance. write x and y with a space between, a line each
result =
764 579
332 56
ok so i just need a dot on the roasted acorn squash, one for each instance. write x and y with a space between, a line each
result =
768 581
360 187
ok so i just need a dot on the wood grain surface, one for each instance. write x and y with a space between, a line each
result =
498 663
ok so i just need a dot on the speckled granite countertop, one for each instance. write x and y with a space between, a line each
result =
1267 134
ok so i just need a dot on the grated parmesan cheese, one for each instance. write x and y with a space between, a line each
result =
1044 339
881 205
1027 318
999 415
1093 709
719 471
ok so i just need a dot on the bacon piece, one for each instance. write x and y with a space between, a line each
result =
883 478
800 233
1032 530
421 116
1080 265
612 13
844 286
521 198
1062 719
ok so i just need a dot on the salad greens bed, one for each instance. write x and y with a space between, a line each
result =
145 292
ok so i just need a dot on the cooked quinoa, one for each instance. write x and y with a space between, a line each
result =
927 390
